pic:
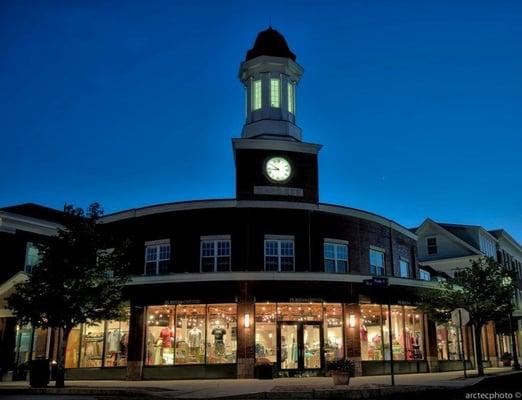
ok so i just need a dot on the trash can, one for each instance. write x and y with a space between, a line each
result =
39 373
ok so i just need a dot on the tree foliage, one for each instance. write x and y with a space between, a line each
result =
79 278
484 289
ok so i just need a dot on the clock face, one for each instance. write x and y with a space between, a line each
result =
278 169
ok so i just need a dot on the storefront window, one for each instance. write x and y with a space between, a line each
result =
299 311
40 343
266 335
160 335
222 333
407 333
72 350
190 334
413 333
23 343
117 342
449 346
333 331
91 346
371 332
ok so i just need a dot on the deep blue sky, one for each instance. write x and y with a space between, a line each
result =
131 103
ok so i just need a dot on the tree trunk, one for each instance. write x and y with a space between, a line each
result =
60 367
478 349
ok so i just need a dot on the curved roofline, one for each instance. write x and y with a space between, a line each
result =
233 203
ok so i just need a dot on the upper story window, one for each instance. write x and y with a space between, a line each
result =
487 246
275 92
256 95
376 262
215 253
291 97
431 244
32 257
335 256
424 275
157 257
404 268
279 253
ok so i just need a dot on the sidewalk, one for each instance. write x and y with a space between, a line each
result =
296 388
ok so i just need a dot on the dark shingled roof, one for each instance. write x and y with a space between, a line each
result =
270 43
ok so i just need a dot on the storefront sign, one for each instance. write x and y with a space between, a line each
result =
305 300
174 302
376 282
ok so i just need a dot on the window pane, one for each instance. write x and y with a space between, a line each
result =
271 248
223 248
73 348
150 268
190 334
329 265
256 95
371 333
271 263
291 100
207 248
274 92
116 343
207 264
223 264
164 252
329 250
333 328
160 335
404 269
266 335
287 248
413 334
342 266
287 263
222 334
342 252
151 253
92 346
163 267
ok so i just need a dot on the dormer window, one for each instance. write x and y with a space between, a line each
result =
256 95
291 97
275 93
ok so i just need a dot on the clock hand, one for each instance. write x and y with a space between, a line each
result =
273 166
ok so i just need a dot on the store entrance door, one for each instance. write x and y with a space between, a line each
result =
299 346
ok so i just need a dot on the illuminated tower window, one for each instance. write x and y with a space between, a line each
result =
256 95
291 97
275 93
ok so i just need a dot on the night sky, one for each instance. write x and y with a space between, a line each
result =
133 103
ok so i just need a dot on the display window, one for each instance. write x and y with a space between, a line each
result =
413 324
23 343
299 311
221 333
449 344
266 334
160 335
406 336
103 344
333 331
91 349
190 334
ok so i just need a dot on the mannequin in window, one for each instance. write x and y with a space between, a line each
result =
166 336
219 345
194 339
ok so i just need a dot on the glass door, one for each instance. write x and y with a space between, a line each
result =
299 346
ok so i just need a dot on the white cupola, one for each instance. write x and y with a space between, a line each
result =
270 76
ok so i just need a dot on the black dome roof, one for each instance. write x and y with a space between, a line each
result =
270 43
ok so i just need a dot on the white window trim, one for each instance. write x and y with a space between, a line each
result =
291 97
338 242
278 239
402 259
215 239
157 244
253 100
380 250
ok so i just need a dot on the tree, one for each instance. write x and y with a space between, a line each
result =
79 279
484 289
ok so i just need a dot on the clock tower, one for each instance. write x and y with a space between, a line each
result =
272 162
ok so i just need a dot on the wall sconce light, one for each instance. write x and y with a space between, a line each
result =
351 321
247 320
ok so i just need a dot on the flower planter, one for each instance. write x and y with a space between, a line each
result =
341 378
